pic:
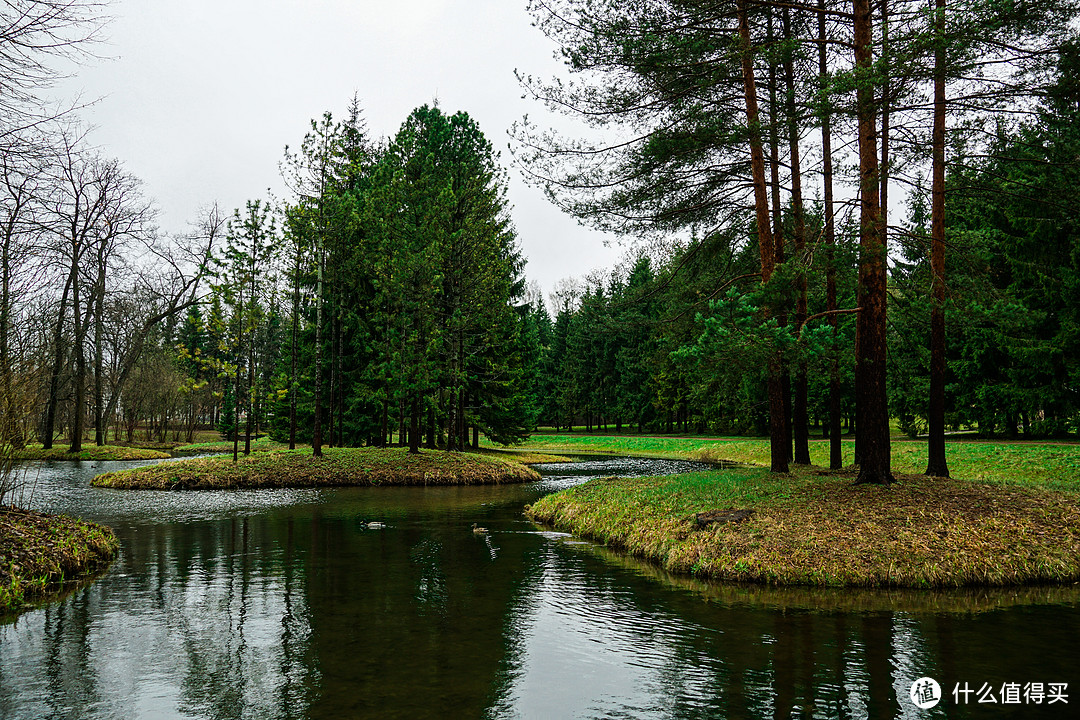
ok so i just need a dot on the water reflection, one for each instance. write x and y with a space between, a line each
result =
282 604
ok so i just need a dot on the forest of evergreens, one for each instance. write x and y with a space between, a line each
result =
770 287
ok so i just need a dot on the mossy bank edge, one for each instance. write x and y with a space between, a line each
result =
42 554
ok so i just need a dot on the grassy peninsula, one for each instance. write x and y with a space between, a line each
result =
337 467
89 452
40 554
1012 517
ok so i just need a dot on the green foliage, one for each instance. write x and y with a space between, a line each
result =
417 291
1013 269
227 424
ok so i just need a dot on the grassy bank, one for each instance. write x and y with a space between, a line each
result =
226 446
818 528
40 553
525 457
89 452
337 467
1049 465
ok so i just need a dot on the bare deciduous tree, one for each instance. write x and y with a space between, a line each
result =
36 36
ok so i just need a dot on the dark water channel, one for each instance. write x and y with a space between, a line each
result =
280 604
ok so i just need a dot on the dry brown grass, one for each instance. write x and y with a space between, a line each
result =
818 528
337 467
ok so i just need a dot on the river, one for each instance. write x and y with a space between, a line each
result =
283 604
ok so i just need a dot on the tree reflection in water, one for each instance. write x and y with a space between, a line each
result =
283 605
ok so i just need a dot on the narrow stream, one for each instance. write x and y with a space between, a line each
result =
280 604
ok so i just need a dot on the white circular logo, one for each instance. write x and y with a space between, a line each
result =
925 693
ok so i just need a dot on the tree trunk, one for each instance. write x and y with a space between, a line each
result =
800 429
250 397
99 355
99 368
463 439
448 418
80 360
937 464
340 390
886 100
12 415
384 425
58 363
293 385
835 449
778 232
432 438
779 455
331 414
316 438
236 387
414 428
872 410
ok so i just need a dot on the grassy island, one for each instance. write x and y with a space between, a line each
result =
1013 518
89 452
337 467
40 554
814 527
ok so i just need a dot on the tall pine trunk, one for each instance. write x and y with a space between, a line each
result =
778 451
835 449
414 427
340 404
800 421
871 401
316 436
886 101
236 383
293 385
250 397
937 464
778 229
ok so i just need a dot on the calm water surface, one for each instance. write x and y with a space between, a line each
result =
280 604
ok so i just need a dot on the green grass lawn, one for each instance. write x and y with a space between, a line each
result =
1049 465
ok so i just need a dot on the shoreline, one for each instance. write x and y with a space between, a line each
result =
89 452
41 554
814 527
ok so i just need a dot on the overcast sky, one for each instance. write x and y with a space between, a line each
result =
198 98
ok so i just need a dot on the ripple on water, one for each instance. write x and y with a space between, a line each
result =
64 487
302 609
560 476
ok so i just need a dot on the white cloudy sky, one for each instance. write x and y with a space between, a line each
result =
199 97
